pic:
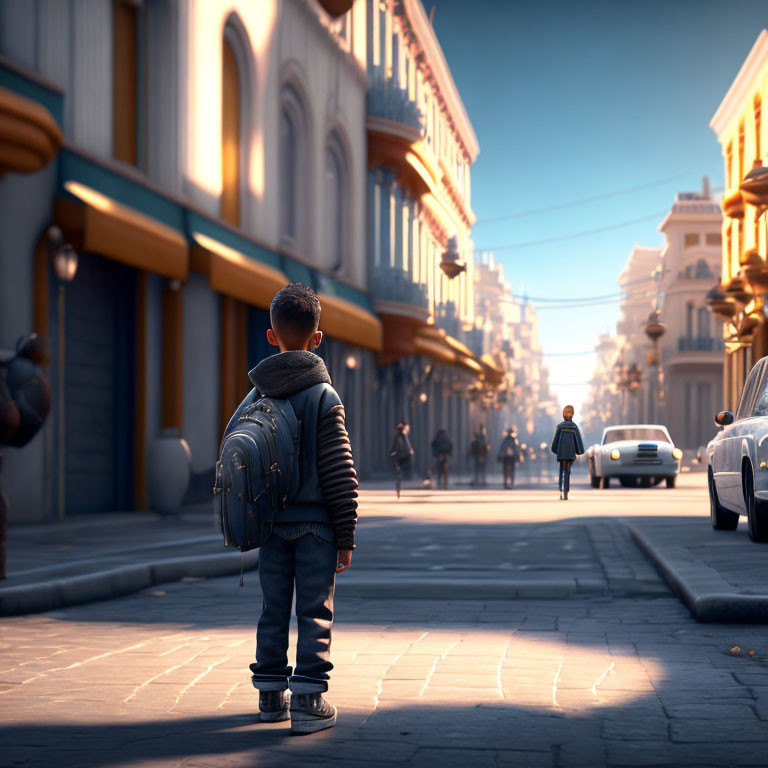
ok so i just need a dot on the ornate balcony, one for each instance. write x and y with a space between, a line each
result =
386 100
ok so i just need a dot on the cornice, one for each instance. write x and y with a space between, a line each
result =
434 60
741 85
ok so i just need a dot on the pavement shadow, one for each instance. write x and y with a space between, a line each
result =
409 733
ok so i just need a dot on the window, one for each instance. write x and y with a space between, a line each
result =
636 433
691 239
749 392
714 239
337 200
125 23
230 136
758 106
294 170
703 323
288 175
689 320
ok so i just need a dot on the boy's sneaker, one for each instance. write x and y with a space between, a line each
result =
274 706
310 712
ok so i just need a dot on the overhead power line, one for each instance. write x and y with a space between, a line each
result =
573 235
571 300
581 201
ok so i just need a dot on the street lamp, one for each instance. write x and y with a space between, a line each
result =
64 262
450 261
654 330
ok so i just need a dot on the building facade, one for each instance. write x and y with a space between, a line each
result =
639 295
738 301
421 146
199 156
689 391
676 378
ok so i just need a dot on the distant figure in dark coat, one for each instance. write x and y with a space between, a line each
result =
508 456
567 444
479 450
442 448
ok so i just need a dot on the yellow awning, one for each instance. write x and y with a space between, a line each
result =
431 342
121 233
471 363
234 274
348 322
462 349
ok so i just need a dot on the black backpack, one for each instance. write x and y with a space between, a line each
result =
257 473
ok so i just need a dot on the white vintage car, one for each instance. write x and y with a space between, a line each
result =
635 454
737 459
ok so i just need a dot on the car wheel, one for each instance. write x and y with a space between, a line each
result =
757 513
595 480
605 482
722 519
671 480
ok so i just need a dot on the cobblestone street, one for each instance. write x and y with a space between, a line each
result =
621 678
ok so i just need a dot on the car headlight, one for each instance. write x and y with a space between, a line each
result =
677 453
615 455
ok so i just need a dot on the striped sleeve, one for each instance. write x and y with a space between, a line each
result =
338 477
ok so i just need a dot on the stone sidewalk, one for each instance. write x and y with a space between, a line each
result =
160 679
102 557
720 575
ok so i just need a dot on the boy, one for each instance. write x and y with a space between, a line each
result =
313 537
566 444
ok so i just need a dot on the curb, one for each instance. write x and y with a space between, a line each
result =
708 596
422 587
118 582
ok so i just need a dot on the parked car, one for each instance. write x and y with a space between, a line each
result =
737 459
634 454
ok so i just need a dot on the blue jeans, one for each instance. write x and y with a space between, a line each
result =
311 565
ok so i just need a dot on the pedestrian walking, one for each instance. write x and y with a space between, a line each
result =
442 448
401 453
508 455
478 450
567 444
312 535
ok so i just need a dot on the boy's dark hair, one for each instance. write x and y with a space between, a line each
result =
295 311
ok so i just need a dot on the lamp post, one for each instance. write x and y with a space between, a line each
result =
654 330
64 262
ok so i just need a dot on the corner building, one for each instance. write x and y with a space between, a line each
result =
739 300
198 155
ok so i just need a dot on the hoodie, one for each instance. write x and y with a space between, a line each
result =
328 490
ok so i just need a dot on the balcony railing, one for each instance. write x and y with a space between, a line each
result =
391 284
387 100
699 344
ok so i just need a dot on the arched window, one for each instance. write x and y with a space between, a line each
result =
336 200
294 170
689 319
230 136
288 175
238 90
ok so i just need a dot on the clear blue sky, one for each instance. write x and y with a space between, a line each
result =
570 100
